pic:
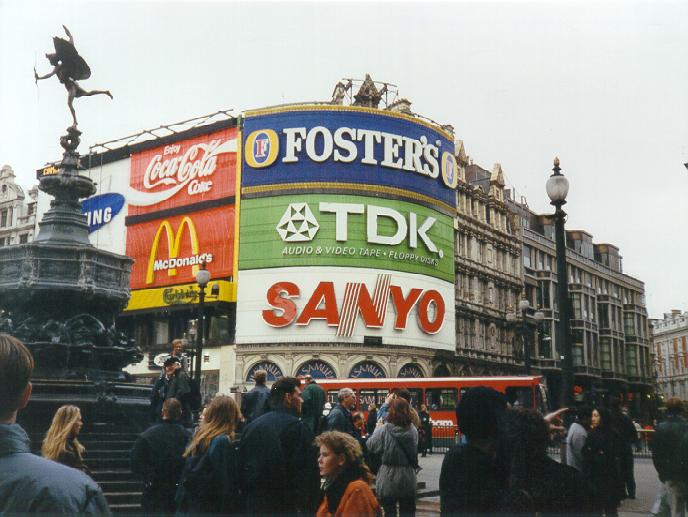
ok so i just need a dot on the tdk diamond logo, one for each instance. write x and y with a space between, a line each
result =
298 224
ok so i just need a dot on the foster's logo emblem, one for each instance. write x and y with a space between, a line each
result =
261 148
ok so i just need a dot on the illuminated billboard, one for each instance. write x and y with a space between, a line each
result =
339 304
185 172
346 231
351 149
169 251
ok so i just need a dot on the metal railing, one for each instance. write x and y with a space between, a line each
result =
444 437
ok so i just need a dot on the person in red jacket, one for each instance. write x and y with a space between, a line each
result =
347 478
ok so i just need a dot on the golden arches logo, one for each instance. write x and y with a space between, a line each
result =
174 241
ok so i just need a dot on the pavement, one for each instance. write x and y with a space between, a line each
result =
647 486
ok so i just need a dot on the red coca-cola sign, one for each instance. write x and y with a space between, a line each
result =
183 173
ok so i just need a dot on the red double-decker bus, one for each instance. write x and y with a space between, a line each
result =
440 394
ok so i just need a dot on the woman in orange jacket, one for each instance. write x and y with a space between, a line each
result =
347 478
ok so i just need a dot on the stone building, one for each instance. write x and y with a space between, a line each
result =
17 212
488 273
669 336
609 326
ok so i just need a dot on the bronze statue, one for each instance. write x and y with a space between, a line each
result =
69 67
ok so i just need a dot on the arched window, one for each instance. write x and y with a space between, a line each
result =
274 371
317 369
367 370
411 370
441 371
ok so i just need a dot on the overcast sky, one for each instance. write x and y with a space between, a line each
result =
604 86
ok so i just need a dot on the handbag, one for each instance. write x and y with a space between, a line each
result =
412 461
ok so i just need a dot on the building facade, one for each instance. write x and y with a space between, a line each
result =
608 320
17 211
354 238
669 341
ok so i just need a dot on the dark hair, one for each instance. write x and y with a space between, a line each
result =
404 394
584 413
674 406
605 418
16 366
172 408
399 412
282 387
480 412
526 430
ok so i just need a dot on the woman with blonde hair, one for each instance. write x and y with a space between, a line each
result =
61 443
347 477
210 480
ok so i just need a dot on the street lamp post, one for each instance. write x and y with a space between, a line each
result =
557 189
202 279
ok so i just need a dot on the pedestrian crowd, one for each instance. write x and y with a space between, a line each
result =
281 453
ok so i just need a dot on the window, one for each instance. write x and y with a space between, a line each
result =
519 396
161 332
605 353
23 239
368 397
526 256
4 218
441 398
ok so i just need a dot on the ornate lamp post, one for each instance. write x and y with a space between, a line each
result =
557 189
523 307
202 279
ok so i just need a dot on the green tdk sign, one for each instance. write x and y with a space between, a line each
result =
351 231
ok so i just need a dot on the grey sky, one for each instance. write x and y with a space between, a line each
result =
602 85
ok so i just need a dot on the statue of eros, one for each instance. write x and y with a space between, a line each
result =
69 67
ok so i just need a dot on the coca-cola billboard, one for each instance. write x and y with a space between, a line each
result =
183 173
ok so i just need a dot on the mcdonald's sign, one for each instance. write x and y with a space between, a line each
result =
169 251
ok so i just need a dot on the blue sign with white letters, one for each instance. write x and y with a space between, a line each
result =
349 148
101 209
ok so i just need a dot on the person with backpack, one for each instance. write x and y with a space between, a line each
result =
157 458
278 460
397 442
210 481
670 456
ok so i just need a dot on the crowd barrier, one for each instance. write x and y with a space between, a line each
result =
444 437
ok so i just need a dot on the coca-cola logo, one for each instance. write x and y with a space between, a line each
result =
175 170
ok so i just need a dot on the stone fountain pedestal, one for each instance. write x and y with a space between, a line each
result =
60 295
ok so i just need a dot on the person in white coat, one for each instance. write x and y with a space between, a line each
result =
575 439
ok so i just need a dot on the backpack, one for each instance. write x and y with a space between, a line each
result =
198 478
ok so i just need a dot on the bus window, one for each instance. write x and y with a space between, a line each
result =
368 397
416 397
520 396
441 398
332 397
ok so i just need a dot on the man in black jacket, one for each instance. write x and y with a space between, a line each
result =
278 460
255 402
340 418
157 458
624 427
473 478
669 451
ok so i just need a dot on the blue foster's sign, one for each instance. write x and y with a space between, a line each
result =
348 148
